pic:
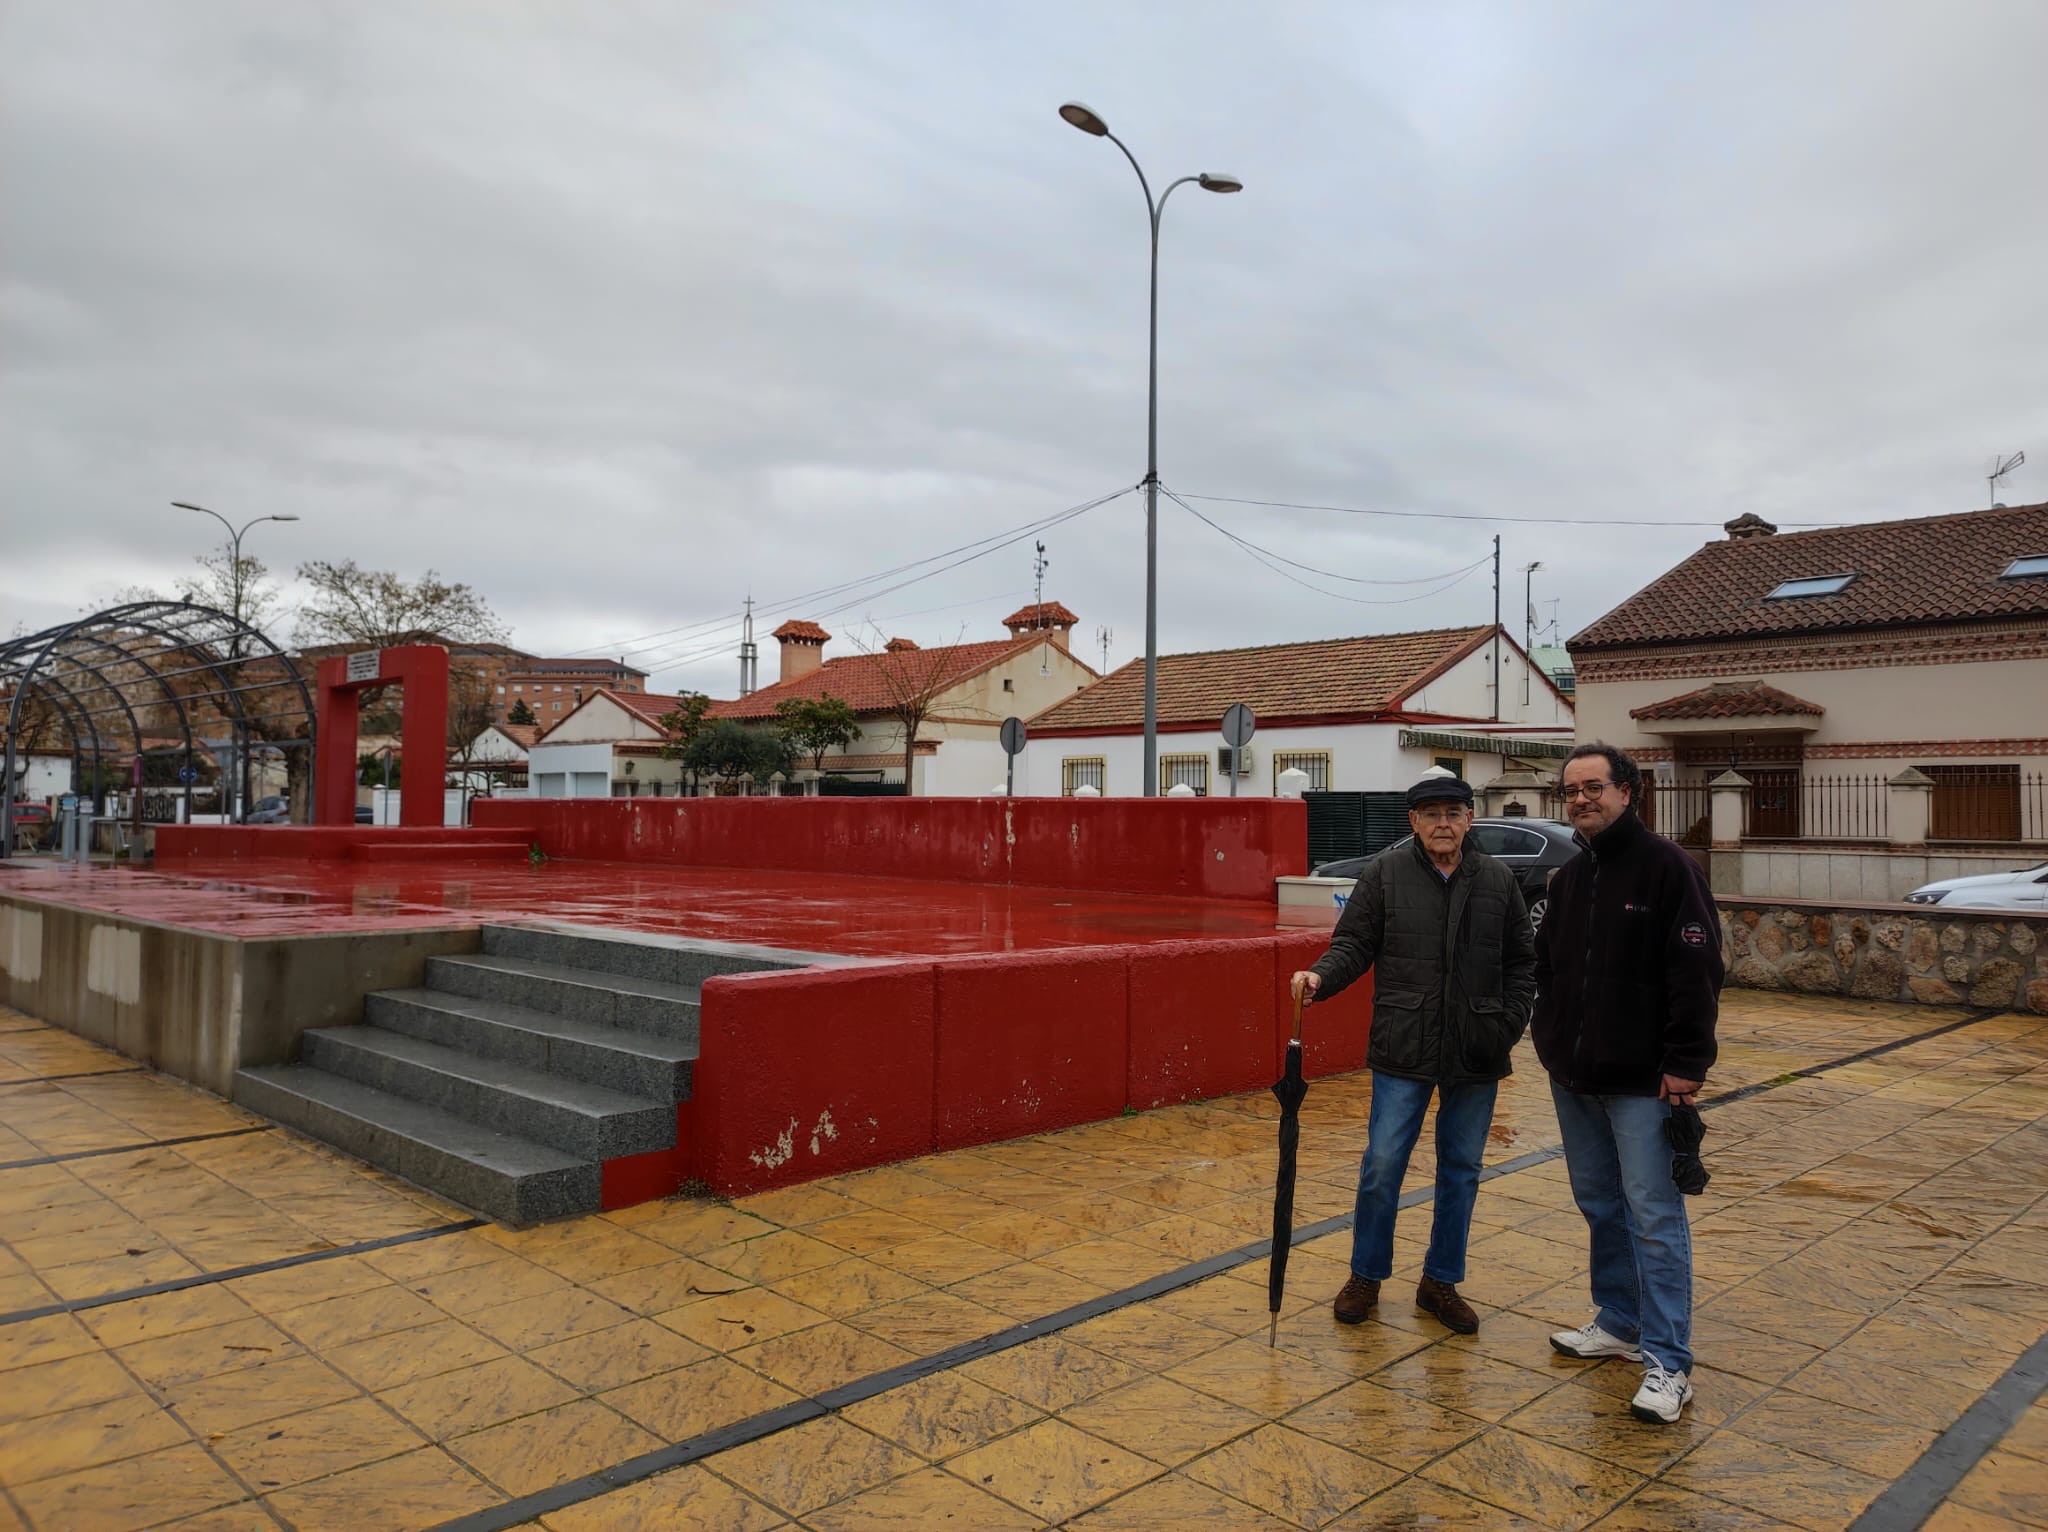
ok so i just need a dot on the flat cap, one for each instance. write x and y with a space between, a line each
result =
1440 788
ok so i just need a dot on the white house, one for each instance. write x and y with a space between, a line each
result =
609 747
967 688
1352 714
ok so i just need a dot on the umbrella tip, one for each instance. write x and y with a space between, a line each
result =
1273 1330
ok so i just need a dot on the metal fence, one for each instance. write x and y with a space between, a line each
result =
1980 802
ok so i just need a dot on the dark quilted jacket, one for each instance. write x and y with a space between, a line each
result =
1454 964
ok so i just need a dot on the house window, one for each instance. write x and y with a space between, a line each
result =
1454 764
501 691
1079 771
1974 802
1316 763
1008 684
2022 568
1191 769
1818 585
558 707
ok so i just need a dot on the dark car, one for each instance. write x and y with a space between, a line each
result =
1532 848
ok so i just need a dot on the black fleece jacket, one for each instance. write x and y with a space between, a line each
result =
1628 966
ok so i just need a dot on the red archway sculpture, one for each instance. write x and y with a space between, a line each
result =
422 669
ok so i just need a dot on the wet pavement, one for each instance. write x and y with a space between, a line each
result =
1057 1331
855 916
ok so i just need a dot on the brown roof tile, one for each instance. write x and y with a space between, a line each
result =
1328 677
1728 699
799 628
1935 569
870 683
1040 614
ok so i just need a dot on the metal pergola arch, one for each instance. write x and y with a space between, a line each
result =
122 662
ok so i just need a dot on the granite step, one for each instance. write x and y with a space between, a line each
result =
499 1175
654 1006
576 1117
640 955
638 1063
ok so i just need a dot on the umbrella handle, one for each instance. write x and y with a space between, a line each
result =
1297 1018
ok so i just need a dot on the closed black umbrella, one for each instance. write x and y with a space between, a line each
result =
1685 1133
1290 1088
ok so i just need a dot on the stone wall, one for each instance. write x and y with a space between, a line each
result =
1925 956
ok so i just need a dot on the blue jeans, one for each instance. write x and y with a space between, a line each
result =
1620 1166
1463 1114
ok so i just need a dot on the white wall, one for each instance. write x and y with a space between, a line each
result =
42 776
1463 691
600 719
576 766
1363 758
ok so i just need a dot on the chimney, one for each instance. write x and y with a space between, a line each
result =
898 645
803 648
1047 617
1747 526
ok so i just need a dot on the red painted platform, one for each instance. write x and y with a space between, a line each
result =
808 912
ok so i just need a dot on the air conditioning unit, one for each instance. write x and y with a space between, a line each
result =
1243 760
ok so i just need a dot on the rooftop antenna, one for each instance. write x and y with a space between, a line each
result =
1102 636
1038 568
1528 624
1999 469
750 657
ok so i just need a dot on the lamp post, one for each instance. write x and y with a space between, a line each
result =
235 639
1089 122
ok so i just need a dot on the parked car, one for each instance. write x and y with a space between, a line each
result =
32 823
269 811
365 815
2026 889
1532 848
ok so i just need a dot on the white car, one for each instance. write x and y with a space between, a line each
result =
2026 889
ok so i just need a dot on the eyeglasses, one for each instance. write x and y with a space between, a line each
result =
1587 790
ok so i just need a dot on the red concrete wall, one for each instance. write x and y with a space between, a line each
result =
1208 848
811 1073
1029 1043
324 843
834 1069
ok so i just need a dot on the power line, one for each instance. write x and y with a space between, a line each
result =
1534 521
647 642
982 549
1430 579
1455 578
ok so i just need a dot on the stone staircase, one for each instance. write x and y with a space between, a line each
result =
510 1076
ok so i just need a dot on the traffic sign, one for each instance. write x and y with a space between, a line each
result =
1013 736
1238 725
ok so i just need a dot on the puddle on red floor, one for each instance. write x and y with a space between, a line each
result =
859 917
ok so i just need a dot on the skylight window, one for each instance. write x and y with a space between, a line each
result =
1819 585
2021 568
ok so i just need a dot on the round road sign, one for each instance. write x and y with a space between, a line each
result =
1013 736
1238 725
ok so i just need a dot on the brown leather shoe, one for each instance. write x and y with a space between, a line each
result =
1355 1303
1442 1300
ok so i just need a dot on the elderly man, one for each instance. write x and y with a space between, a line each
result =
1445 926
1628 982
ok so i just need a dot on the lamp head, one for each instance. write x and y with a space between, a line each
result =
1084 118
1219 181
284 518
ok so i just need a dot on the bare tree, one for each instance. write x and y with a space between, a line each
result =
352 605
912 681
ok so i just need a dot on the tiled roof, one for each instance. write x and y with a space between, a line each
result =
1039 615
879 762
798 628
1934 570
521 734
575 667
1728 699
1328 677
871 683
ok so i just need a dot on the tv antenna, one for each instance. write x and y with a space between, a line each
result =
1039 563
1999 469
1103 636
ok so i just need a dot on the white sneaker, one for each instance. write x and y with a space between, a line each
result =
1590 1341
1662 1395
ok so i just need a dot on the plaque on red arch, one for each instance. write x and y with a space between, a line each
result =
366 666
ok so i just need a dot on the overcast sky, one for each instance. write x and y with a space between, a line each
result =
621 311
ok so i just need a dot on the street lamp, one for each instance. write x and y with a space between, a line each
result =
235 638
1089 122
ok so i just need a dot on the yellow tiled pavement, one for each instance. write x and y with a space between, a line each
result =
1873 1254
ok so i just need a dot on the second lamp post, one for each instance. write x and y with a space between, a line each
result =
1088 122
